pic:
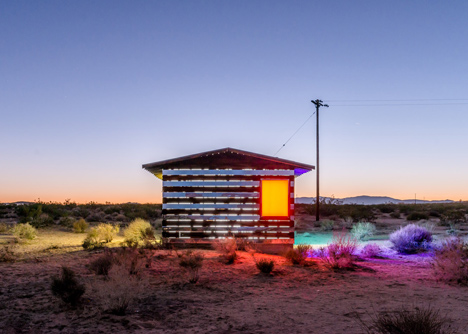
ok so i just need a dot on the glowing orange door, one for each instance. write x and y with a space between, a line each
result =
275 198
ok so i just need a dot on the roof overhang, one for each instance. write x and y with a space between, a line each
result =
227 158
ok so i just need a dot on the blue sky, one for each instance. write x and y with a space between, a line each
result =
92 90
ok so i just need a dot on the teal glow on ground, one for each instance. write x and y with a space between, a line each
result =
320 239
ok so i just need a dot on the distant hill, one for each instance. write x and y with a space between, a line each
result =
369 200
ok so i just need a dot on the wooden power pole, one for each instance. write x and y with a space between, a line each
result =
318 103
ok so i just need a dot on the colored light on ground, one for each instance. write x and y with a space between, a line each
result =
275 195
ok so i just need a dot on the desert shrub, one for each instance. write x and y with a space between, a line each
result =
299 254
406 209
67 221
119 290
420 320
43 220
102 264
95 217
192 262
395 214
243 244
228 249
99 235
362 231
8 253
452 231
327 225
357 212
371 250
107 232
265 266
415 216
434 213
339 253
80 212
347 222
4 228
411 239
451 262
138 232
80 226
132 259
453 218
386 208
24 231
67 288
92 240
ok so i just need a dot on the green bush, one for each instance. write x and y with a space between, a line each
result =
24 231
362 231
80 226
67 288
138 232
107 232
265 266
100 235
415 216
357 212
386 208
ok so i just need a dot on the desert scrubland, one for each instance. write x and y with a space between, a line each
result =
339 286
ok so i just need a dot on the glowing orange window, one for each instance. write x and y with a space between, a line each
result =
275 198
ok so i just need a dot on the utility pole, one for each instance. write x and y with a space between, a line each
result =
318 103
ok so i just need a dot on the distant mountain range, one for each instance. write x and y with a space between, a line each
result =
369 200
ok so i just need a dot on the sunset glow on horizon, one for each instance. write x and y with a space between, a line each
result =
92 91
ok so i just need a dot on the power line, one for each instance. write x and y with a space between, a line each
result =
399 100
293 134
399 104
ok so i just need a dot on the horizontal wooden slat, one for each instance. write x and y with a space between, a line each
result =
228 172
260 235
210 183
209 206
208 213
254 223
226 177
211 200
210 195
212 189
218 217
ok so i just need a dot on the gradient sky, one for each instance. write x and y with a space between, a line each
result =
91 90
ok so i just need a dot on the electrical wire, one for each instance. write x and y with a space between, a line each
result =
294 134
399 104
379 105
403 100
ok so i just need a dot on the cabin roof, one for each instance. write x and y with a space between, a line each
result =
228 158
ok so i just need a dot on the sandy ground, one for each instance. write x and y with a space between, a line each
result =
227 298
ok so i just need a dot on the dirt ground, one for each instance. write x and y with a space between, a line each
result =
226 299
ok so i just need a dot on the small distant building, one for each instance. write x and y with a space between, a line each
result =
228 193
